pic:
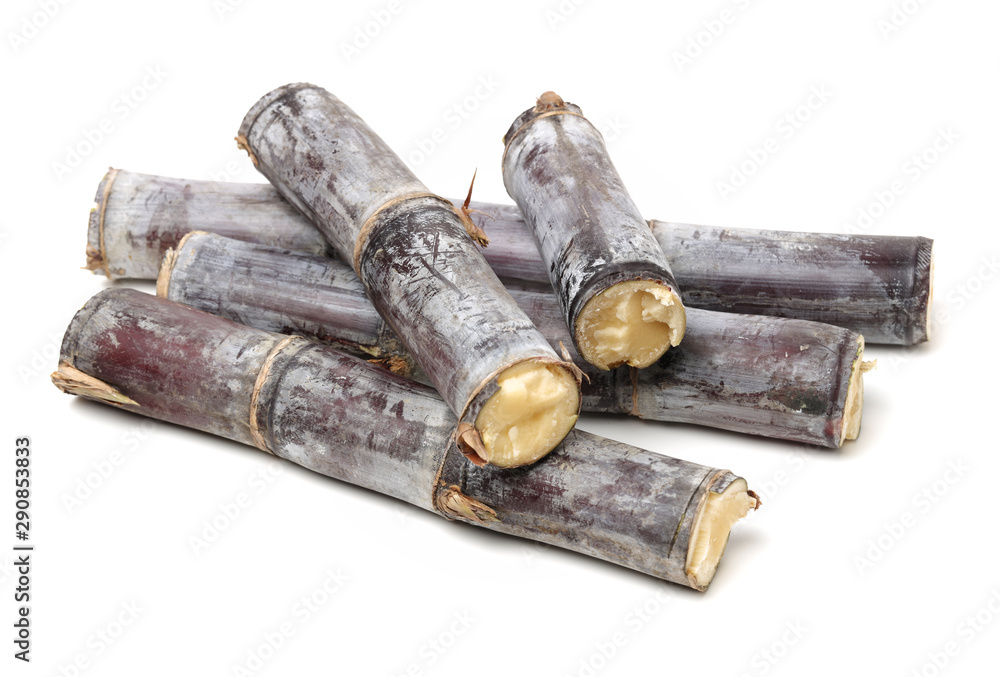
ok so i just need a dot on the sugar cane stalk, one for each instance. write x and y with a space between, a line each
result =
349 420
876 285
614 285
514 397
787 379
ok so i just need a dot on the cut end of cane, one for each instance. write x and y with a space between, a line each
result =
855 394
534 408
97 258
72 381
712 525
631 323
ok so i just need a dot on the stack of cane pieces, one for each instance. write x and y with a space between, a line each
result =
407 366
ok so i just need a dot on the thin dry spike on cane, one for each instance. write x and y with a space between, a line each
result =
475 232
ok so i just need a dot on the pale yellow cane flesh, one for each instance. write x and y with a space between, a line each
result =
534 408
631 323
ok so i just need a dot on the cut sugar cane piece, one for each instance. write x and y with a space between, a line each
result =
137 217
352 421
614 284
781 378
876 285
421 270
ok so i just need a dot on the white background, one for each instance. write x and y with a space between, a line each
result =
812 584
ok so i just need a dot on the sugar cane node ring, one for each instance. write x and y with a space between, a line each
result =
371 221
168 263
255 431
452 503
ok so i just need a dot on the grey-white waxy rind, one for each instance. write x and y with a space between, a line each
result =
775 377
420 268
876 285
589 232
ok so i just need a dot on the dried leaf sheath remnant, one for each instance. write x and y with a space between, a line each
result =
71 380
352 421
876 285
241 143
419 266
465 213
615 286
757 375
456 504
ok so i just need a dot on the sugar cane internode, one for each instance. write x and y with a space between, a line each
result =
615 287
353 421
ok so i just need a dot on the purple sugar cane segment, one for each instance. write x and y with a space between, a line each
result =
138 217
355 422
514 396
775 377
880 286
614 285
876 285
